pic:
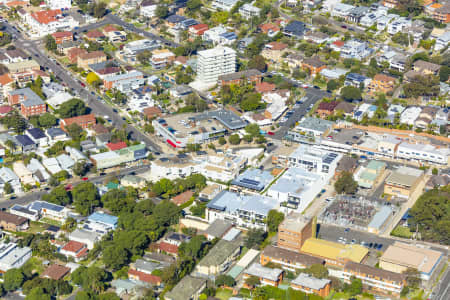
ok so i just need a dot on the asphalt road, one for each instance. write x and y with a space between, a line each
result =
113 19
442 290
312 96
33 47
36 195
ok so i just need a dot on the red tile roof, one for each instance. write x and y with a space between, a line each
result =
46 16
384 78
95 34
109 28
73 246
62 34
152 279
182 198
91 55
56 272
116 146
5 79
328 106
152 111
276 46
90 118
338 43
269 26
264 87
4 109
169 248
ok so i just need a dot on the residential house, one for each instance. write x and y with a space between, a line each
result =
409 115
426 68
130 51
355 15
274 51
55 272
8 176
161 58
295 29
442 14
398 25
62 36
84 121
187 288
6 86
225 5
12 222
288 259
426 117
442 41
218 259
49 210
133 181
86 59
356 49
381 83
197 30
25 175
100 222
341 10
72 54
248 11
269 29
314 65
148 8
25 144
219 36
311 285
345 107
266 276
174 20
76 250
116 36
248 76
85 237
316 37
94 35
356 80
326 109
55 134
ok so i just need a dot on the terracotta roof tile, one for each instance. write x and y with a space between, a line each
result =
116 146
56 272
169 248
182 198
46 16
73 246
152 279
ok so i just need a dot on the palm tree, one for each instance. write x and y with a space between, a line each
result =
10 144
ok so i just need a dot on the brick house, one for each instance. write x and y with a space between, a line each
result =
314 65
381 83
94 35
86 59
311 285
62 36
274 51
84 121
249 76
33 107
73 54
326 109
12 222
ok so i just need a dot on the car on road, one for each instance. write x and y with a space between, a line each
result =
379 246
305 86
347 229
85 179
270 133
82 84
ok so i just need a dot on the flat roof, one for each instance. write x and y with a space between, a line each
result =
254 179
218 228
226 117
380 217
404 176
315 124
407 255
292 256
334 251
295 222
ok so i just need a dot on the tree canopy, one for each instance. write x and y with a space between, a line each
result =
72 108
346 184
274 218
85 197
350 93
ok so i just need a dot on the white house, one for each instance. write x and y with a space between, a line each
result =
225 5
58 4
49 210
46 22
148 8
410 115
11 256
86 237
248 11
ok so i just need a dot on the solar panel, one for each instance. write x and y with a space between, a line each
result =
250 181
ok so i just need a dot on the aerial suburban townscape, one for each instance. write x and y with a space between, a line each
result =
224 149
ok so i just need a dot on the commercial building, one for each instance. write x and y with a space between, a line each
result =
218 259
400 256
248 211
423 152
46 22
11 256
182 129
13 222
402 182
115 158
296 188
287 259
334 254
294 231
311 285
251 180
267 276
214 62
314 160
375 280
309 128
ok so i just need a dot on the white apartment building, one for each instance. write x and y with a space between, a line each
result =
221 167
423 152
314 160
225 5
398 25
214 62
148 8
46 22
249 11
58 4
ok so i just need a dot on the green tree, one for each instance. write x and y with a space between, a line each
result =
412 278
254 238
355 287
251 102
193 5
72 108
80 168
58 195
227 280
427 85
74 130
119 201
144 57
318 271
50 43
350 93
47 120
85 197
252 281
332 85
13 279
219 17
91 278
193 248
38 293
253 130
162 11
93 79
435 171
99 9
115 257
257 62
222 141
345 184
274 219
7 189
444 73
234 139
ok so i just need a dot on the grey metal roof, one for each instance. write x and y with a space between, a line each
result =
310 282
231 202
186 288
219 253
218 228
254 179
228 118
31 98
258 270
380 217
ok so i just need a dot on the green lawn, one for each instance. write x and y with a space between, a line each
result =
402 231
37 227
223 294
50 221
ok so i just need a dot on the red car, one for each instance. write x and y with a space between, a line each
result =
84 178
270 133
